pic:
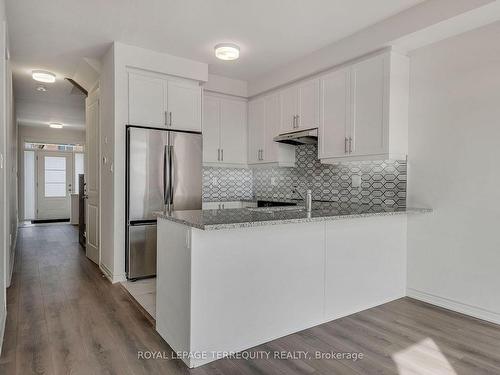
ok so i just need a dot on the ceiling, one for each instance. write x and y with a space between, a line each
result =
57 34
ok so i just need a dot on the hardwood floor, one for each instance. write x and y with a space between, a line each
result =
64 317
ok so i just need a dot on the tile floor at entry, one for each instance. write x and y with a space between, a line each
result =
144 292
64 317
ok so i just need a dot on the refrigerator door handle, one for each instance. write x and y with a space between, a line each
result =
171 176
166 174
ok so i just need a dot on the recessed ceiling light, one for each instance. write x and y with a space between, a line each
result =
41 88
56 125
43 76
227 51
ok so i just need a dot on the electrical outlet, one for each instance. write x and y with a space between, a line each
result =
356 181
273 181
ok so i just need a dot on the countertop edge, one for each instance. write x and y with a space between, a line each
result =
408 211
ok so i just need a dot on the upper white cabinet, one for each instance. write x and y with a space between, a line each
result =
256 130
364 110
264 119
183 105
146 100
164 101
300 106
224 130
335 114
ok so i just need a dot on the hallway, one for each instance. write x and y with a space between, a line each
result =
64 317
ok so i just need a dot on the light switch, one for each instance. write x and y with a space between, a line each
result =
356 181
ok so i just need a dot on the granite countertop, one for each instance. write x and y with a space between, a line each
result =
252 217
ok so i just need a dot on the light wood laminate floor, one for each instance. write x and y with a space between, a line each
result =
64 317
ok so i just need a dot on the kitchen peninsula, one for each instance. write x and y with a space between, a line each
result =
228 280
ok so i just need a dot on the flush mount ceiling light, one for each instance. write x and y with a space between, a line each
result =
56 125
43 76
41 88
227 51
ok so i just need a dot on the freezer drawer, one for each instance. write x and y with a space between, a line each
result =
141 251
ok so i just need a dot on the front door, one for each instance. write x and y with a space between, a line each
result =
54 185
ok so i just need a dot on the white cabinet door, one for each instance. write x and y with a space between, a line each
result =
183 103
211 129
146 100
368 129
308 105
256 130
335 114
272 127
289 111
368 278
233 127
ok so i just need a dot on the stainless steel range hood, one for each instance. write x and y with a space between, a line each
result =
301 137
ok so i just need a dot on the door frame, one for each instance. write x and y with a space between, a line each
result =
22 184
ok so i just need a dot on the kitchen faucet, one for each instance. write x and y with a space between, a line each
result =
307 199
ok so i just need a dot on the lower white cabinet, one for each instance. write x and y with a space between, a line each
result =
365 263
264 119
224 131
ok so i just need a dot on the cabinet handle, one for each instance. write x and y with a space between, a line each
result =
345 145
170 116
261 154
294 123
350 144
166 118
218 154
297 121
258 155
221 154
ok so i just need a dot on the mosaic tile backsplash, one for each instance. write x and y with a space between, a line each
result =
382 182
221 184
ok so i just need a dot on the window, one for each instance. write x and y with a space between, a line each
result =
79 168
55 176
53 147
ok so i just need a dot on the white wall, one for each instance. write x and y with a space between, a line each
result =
454 151
114 118
225 85
11 172
107 136
383 34
3 197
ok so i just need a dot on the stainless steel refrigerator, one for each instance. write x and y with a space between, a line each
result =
164 171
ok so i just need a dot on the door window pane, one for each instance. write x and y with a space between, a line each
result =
55 176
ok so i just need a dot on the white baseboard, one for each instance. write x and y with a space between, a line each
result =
110 276
3 319
12 258
460 307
